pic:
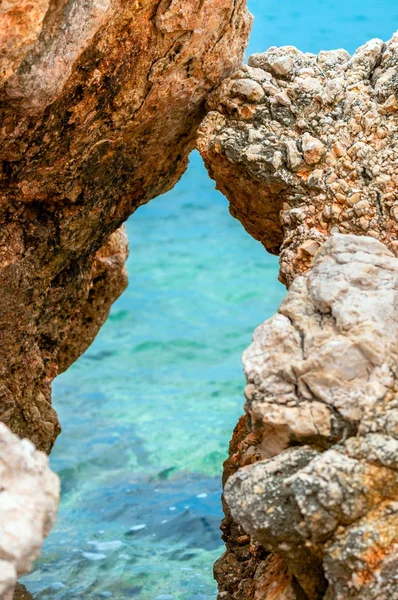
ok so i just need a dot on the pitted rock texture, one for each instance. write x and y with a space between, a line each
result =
322 404
28 505
246 571
303 145
99 107
109 279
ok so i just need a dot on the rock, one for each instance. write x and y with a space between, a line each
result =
322 406
294 157
248 89
28 506
315 156
21 593
326 133
99 108
108 281
262 504
313 149
21 22
241 569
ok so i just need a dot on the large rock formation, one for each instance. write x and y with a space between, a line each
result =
322 398
99 107
28 506
304 146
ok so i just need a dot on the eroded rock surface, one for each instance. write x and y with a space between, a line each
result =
322 404
99 106
109 279
305 144
28 506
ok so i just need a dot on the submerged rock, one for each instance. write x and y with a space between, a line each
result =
21 593
28 506
99 107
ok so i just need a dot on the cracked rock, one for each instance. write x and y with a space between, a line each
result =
322 405
99 109
326 148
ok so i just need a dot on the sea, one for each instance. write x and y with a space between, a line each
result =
148 411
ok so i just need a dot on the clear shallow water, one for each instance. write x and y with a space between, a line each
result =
147 413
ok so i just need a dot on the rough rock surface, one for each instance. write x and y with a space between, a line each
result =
21 593
305 144
99 106
322 404
109 279
28 505
240 567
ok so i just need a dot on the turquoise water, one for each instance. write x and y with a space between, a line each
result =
148 411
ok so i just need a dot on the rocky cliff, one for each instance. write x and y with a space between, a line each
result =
304 147
321 398
99 106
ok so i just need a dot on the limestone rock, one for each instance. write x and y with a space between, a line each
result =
322 402
108 281
326 157
99 107
21 22
28 506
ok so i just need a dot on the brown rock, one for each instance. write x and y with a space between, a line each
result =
108 281
21 593
236 571
99 108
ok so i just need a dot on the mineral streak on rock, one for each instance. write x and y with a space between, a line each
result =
322 404
99 106
305 144
28 506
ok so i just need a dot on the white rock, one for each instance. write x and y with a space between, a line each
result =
294 158
326 353
28 505
313 149
248 89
